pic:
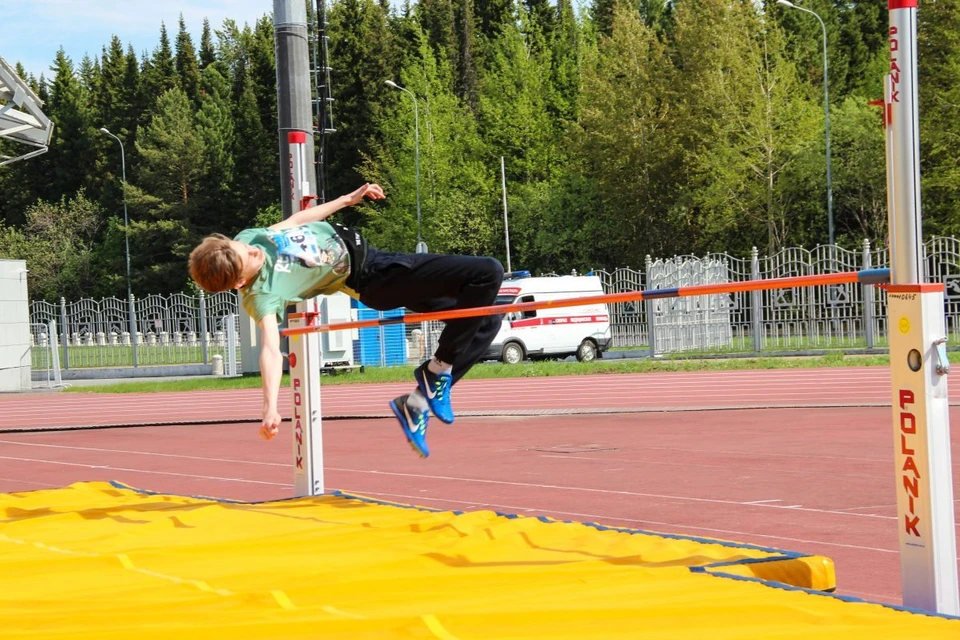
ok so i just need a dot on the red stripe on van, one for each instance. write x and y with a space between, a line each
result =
537 322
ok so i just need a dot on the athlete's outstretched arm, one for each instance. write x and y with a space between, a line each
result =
325 210
271 371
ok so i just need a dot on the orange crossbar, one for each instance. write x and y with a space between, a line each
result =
869 276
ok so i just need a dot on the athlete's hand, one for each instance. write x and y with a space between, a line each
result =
270 425
368 190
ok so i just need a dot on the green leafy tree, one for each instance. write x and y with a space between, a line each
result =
746 122
57 242
859 174
458 189
629 144
939 59
513 118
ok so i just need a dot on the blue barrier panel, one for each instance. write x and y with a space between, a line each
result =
381 346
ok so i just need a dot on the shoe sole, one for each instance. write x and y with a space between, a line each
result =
422 385
406 430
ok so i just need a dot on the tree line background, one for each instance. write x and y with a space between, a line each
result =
630 127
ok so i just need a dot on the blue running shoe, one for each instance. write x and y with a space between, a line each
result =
435 387
413 423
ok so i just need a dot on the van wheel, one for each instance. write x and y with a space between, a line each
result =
512 353
587 351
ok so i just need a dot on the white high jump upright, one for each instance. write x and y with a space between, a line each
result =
305 355
918 356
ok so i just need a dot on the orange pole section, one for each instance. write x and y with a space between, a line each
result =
871 276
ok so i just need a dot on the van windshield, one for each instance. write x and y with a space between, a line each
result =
504 299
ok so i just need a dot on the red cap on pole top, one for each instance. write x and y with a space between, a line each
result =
296 137
901 4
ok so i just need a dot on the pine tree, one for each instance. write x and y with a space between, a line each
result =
162 204
436 18
111 98
364 54
466 64
492 16
69 110
565 48
215 126
188 70
256 179
207 53
601 15
159 72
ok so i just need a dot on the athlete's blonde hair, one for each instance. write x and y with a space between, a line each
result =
214 265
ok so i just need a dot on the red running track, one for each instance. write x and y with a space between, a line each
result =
796 470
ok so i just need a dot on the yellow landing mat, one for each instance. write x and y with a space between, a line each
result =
95 560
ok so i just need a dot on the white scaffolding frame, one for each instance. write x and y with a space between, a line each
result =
21 119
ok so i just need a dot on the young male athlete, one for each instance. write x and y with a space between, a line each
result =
303 256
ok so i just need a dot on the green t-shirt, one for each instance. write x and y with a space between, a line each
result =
300 263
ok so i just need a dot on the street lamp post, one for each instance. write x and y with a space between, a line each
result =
421 247
126 234
826 109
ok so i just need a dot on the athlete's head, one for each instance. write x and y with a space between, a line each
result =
220 264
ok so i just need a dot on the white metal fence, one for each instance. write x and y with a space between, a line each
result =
179 329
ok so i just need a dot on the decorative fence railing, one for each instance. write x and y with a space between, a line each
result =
168 330
184 329
845 316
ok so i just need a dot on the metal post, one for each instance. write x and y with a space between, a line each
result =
651 312
295 120
134 342
918 356
64 329
294 95
204 347
826 110
506 224
756 301
126 240
54 356
421 247
231 331
868 298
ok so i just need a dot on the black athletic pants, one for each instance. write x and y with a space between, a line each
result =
424 282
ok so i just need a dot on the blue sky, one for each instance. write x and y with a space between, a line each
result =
31 31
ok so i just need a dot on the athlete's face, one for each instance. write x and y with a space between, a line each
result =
252 259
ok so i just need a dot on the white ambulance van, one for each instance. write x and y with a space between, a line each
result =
583 331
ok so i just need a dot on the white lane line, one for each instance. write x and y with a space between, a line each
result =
613 492
690 465
146 471
871 507
144 453
763 501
